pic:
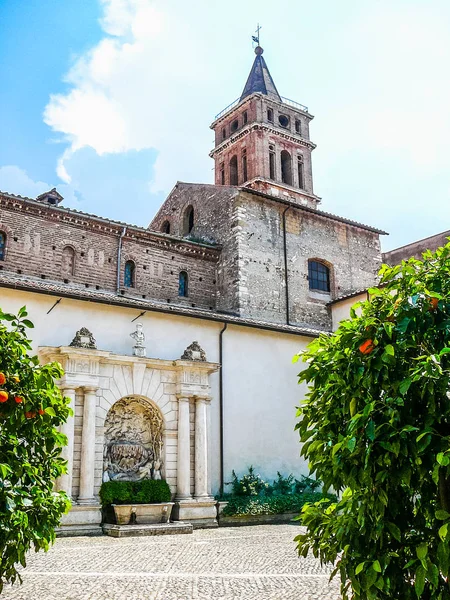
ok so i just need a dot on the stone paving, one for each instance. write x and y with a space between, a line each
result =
236 563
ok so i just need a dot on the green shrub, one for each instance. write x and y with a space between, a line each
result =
147 491
271 505
248 485
283 485
306 484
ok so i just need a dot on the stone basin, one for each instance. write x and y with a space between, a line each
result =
144 513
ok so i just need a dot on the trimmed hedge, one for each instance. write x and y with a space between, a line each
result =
146 491
271 505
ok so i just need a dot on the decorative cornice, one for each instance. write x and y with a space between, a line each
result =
280 132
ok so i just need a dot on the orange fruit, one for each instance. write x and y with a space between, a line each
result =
367 347
41 411
3 396
2 378
18 399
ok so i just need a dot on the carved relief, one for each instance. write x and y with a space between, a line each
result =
194 352
133 441
83 339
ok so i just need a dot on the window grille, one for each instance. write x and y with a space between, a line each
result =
319 276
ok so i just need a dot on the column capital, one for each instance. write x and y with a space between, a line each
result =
90 388
183 398
68 388
206 399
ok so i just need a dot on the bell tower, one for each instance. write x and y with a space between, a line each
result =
262 141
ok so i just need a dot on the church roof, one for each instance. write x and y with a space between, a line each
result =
260 79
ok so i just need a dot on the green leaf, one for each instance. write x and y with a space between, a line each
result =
419 584
443 531
422 551
442 515
359 568
376 566
50 411
404 386
389 349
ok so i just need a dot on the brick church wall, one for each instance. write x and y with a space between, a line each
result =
38 233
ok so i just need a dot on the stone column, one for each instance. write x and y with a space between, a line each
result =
184 451
201 449
64 482
87 466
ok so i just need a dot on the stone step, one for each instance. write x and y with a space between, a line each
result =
121 531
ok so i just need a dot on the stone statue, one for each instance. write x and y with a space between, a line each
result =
139 337
83 339
194 352
133 441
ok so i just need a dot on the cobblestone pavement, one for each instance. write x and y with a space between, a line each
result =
236 563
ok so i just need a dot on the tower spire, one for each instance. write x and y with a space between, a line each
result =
260 79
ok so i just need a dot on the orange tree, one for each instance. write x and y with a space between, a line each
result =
31 408
375 426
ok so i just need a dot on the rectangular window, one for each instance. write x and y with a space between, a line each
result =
272 165
222 174
300 174
245 117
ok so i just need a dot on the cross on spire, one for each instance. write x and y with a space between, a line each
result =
255 38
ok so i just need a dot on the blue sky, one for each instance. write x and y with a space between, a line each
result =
111 100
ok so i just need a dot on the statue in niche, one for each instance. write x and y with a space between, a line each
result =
133 441
139 338
83 339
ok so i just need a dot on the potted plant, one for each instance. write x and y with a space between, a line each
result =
141 502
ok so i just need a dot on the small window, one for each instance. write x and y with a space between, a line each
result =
286 167
319 276
165 227
245 117
224 133
68 261
129 274
183 284
234 176
2 245
234 125
283 120
272 165
222 174
244 164
298 126
188 220
300 172
270 115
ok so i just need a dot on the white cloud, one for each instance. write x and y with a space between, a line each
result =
128 92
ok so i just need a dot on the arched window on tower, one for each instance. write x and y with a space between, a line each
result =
68 261
129 279
270 115
286 167
222 174
272 162
188 220
183 284
234 170
301 182
298 126
2 245
244 164
318 276
165 227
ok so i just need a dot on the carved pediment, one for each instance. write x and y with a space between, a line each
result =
84 339
194 352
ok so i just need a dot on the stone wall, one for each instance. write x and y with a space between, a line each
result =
251 273
416 249
37 235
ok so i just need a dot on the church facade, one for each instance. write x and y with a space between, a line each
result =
227 283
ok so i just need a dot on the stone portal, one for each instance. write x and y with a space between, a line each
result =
133 447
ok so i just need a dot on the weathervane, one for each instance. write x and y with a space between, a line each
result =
255 38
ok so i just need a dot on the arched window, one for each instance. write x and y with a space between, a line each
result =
244 164
165 227
183 284
272 162
2 245
300 172
234 170
188 220
298 126
68 261
270 115
129 274
286 167
319 276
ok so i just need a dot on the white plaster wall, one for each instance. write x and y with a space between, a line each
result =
341 310
260 381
